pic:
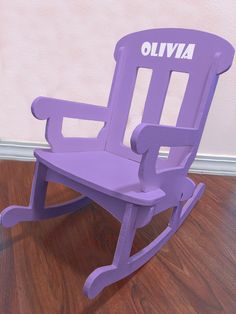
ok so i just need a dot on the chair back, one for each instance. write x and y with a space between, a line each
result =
202 55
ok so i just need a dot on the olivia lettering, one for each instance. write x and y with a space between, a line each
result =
175 50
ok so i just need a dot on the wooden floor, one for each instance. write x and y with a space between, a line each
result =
43 265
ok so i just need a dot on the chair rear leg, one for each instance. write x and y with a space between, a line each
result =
14 214
175 217
36 209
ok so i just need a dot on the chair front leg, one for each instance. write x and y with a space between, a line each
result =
123 264
126 236
39 189
106 275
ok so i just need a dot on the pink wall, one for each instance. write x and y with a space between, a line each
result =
64 49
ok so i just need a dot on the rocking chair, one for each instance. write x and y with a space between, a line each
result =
133 184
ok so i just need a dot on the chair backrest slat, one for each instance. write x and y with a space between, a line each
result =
157 90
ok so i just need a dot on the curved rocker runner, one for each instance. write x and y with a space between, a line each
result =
132 183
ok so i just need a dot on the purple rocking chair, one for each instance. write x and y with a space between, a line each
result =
133 184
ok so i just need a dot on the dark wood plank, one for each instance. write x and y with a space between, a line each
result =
44 264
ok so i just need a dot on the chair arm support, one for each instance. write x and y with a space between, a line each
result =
54 110
46 108
147 140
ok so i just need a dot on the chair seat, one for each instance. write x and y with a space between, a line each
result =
102 171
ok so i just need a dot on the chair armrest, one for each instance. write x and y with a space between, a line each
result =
54 110
46 108
150 136
147 140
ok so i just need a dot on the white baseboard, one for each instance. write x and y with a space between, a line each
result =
208 164
19 150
